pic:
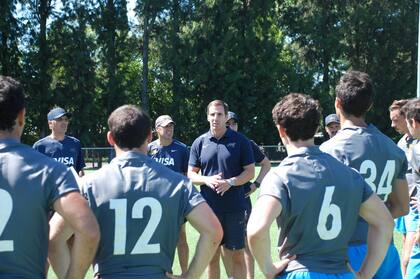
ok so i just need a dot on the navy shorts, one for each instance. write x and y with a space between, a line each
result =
233 224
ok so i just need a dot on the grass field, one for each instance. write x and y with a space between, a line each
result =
192 237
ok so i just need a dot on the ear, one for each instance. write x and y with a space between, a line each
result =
149 137
416 124
110 138
21 117
337 104
282 131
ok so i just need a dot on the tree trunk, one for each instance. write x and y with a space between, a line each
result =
144 96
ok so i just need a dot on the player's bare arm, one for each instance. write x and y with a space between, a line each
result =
265 211
246 175
75 211
398 200
206 223
58 250
381 226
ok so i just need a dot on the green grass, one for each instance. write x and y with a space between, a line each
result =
192 237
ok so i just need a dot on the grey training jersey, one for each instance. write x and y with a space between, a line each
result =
140 206
407 143
415 165
375 156
320 200
29 184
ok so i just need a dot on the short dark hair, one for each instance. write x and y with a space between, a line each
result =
218 103
12 101
412 109
397 105
355 91
129 126
299 115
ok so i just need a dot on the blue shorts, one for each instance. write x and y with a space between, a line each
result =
233 224
315 275
413 267
400 225
412 219
409 222
390 268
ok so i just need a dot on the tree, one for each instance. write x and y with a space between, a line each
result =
9 36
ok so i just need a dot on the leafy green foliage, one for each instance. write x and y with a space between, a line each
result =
175 56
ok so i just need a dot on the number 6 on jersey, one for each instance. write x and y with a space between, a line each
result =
327 209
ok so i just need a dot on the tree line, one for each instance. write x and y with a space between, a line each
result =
175 56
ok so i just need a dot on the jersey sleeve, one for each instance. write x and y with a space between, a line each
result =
258 154
403 169
191 196
272 185
185 159
60 182
80 159
194 159
247 156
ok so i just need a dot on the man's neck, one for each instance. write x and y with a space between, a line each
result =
292 146
57 136
164 142
120 151
352 121
9 135
218 133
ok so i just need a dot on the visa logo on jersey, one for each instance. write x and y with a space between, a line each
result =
65 160
168 161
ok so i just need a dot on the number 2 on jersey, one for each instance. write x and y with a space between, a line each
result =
143 245
5 213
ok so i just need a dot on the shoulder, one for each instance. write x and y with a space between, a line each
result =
39 159
42 141
72 139
237 135
392 146
200 140
179 144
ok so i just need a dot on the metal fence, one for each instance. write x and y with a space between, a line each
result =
95 157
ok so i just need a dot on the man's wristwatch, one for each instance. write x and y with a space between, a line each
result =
256 183
231 182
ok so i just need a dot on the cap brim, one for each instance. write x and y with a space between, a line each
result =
68 114
166 123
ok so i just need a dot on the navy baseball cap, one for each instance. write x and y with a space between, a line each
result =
332 118
232 115
57 113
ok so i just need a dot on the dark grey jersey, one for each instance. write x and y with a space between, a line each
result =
140 206
30 182
375 156
320 199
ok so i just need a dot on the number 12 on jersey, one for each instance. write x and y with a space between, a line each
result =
6 203
143 245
